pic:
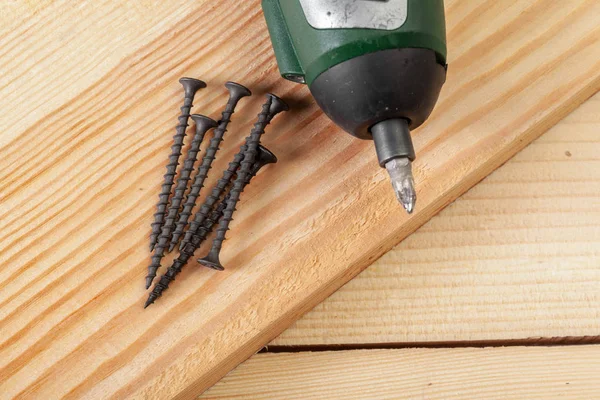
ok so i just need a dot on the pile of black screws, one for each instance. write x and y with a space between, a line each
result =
172 219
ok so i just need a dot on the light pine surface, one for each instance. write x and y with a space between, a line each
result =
569 372
90 100
517 257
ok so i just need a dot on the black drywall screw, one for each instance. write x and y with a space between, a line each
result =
190 87
211 260
215 195
236 92
265 157
203 124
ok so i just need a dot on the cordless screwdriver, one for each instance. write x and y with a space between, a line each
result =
375 67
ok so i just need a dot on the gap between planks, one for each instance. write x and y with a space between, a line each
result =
530 342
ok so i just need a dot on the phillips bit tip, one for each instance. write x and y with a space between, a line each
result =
400 170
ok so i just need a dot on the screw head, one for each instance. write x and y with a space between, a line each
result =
237 91
203 123
265 156
277 105
191 86
212 261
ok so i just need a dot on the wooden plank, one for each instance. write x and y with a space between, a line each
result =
515 257
569 372
81 173
52 52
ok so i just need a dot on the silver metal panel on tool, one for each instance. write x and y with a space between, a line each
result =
368 14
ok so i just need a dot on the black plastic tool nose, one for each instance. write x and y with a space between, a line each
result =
388 84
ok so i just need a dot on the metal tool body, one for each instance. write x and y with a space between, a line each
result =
375 67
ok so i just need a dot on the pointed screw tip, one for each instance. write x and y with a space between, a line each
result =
148 302
149 280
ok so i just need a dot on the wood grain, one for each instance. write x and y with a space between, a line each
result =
569 372
91 95
515 257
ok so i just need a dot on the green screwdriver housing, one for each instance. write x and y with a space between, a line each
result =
375 67
304 52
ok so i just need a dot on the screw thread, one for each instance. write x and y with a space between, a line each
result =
204 168
242 176
160 222
184 176
225 180
163 197
186 253
165 280
188 250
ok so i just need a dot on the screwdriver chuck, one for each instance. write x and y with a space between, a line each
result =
392 140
